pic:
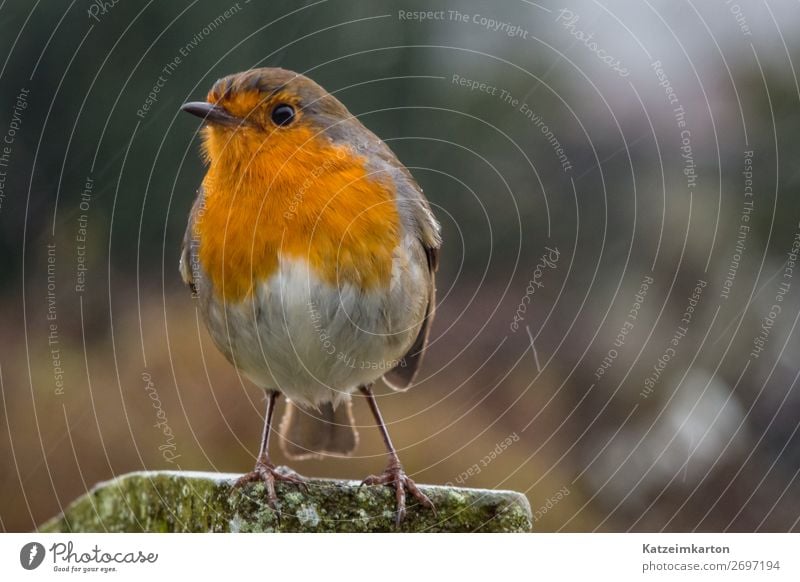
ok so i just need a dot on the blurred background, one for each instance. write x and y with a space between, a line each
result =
619 293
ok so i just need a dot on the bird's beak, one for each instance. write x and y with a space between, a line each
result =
212 113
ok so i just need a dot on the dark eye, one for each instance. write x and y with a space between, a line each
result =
283 114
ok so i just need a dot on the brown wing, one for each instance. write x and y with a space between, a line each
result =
188 249
402 376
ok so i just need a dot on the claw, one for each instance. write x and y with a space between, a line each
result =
266 472
394 476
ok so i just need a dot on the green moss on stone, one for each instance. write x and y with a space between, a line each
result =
168 501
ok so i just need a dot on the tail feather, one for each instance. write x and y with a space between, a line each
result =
308 433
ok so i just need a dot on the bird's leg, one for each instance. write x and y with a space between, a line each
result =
394 475
265 470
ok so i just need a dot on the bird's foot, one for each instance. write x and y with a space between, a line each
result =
266 472
394 476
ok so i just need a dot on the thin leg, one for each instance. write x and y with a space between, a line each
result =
387 440
272 399
393 476
265 470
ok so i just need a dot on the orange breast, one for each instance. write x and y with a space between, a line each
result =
299 197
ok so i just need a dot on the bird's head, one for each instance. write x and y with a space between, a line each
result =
264 112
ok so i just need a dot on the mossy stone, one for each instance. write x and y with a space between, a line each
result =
172 501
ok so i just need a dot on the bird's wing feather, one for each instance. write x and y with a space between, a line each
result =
188 249
416 212
402 376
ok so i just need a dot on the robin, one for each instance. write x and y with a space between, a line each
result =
312 251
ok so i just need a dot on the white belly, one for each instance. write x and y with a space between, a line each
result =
314 343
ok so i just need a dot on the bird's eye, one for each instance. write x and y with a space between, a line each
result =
283 114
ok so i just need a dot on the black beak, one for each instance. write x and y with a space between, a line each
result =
212 113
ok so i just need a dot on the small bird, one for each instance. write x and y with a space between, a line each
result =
312 252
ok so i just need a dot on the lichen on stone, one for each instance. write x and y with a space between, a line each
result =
169 501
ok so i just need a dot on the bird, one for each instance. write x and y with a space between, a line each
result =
312 252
